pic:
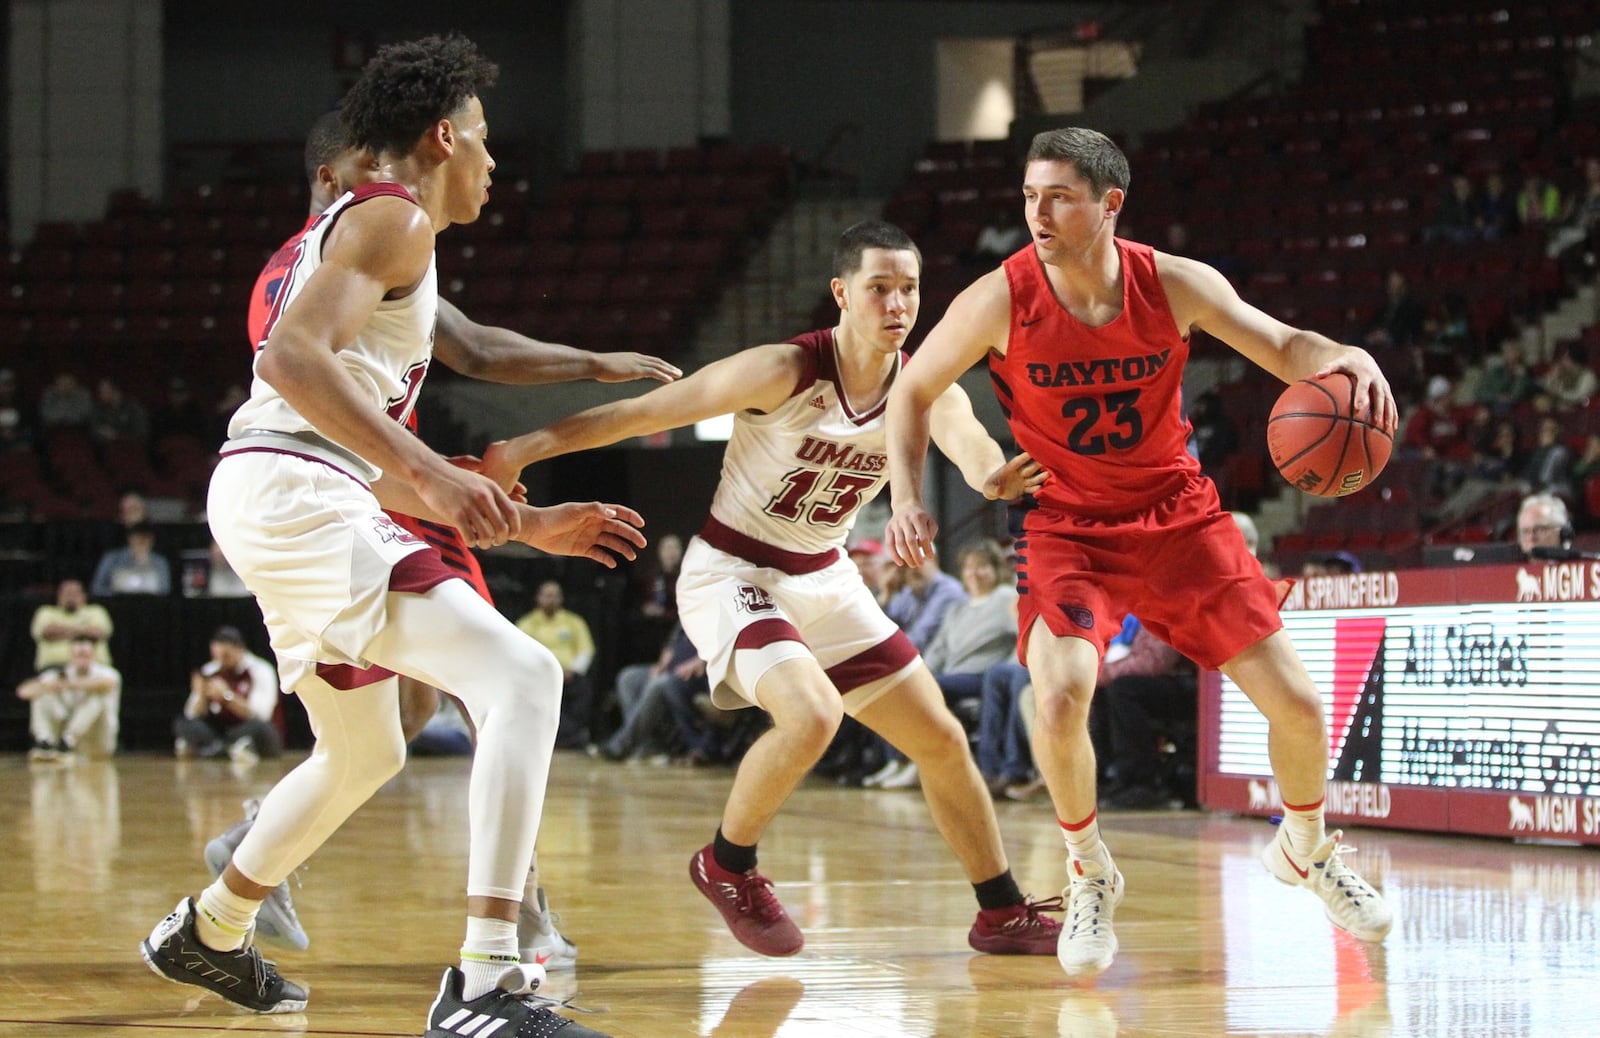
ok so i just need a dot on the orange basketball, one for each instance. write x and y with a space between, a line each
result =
1318 443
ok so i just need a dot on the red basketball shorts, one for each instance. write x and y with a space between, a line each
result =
452 548
1180 566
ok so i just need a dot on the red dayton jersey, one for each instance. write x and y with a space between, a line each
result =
1100 408
449 543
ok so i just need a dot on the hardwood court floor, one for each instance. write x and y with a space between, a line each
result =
1492 939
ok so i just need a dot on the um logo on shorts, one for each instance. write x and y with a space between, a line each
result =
755 600
1080 615
389 530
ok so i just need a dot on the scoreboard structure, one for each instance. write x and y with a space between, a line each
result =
1457 700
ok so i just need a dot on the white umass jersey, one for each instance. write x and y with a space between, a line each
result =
389 357
796 478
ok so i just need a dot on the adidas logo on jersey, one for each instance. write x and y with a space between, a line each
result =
816 402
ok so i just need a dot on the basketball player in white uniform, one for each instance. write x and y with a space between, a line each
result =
777 609
349 597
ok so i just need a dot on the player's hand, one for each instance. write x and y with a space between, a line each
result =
1372 396
909 536
629 367
588 530
472 463
1021 475
472 503
498 466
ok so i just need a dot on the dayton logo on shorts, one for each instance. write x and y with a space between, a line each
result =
755 600
1080 615
389 530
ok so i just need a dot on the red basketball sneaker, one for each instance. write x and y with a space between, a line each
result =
1017 929
748 906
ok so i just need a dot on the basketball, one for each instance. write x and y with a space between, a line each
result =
1318 443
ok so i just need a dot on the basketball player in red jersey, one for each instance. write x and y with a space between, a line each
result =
351 599
1086 336
333 166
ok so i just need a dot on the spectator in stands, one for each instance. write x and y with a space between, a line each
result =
1504 385
642 693
1399 319
446 733
1549 465
1539 202
137 569
1543 522
1431 429
1459 217
655 603
16 425
1577 231
1002 235
1149 697
1002 750
920 606
1587 465
882 576
73 616
1496 463
118 418
1214 435
976 634
567 635
1569 380
1337 563
73 705
180 414
1498 211
65 404
221 580
232 700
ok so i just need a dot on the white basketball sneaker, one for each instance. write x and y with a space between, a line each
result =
1087 943
1351 902
538 938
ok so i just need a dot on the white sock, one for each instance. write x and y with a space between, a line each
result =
1304 826
222 919
1083 840
489 950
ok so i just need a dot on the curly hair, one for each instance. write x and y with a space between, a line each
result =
408 87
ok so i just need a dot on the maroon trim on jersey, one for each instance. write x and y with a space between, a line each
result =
828 370
882 660
795 563
767 632
816 344
292 454
344 677
420 572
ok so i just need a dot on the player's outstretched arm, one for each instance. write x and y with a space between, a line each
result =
757 379
976 322
501 355
589 530
1202 298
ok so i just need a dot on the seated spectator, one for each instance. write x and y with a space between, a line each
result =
447 733
65 404
137 569
1577 230
1149 695
1588 464
1505 384
566 635
1543 522
1338 563
1495 465
118 418
1002 235
1539 202
976 634
1430 430
221 580
1549 466
642 693
1214 435
1003 754
1458 219
1498 208
232 700
1399 319
927 594
73 616
73 706
1569 380
654 604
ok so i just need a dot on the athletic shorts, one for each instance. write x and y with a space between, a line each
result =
452 549
727 602
1180 566
313 545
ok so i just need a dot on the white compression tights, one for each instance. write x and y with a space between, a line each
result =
509 683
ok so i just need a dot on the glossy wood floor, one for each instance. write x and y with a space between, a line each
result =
1492 939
